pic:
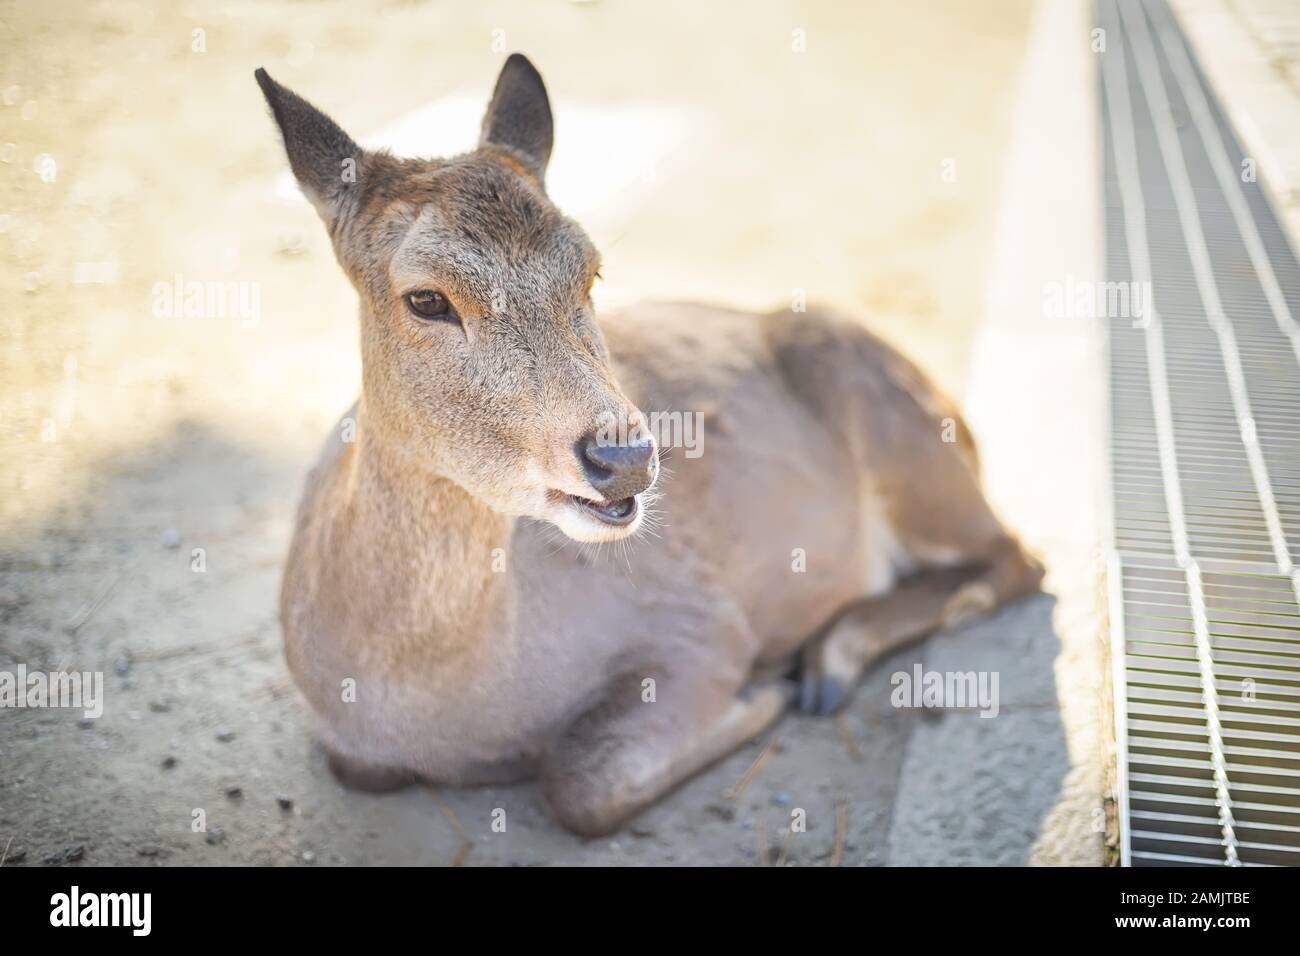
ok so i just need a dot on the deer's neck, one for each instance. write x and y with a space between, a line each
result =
431 555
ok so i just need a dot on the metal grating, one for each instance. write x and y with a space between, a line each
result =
1205 468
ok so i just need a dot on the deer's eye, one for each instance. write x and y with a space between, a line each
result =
429 304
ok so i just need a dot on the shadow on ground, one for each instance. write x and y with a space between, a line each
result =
201 715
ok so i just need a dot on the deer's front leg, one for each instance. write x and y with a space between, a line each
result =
628 751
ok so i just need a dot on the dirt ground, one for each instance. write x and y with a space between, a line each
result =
851 151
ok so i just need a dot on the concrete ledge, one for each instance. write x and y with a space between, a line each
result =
1246 52
1033 775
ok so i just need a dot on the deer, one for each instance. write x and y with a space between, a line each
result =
456 607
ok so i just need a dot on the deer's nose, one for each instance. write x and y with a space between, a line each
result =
619 471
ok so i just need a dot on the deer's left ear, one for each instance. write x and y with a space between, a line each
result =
323 157
519 116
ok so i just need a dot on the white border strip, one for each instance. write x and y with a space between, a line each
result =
1119 684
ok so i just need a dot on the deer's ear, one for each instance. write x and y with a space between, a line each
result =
323 157
519 116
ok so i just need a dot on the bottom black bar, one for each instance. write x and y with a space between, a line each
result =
213 906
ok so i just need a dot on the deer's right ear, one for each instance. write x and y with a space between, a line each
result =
519 116
323 157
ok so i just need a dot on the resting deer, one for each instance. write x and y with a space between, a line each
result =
834 515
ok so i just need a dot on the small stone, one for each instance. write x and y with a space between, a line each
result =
285 803
149 851
171 539
121 667
308 856
640 833
168 762
225 736
160 706
15 856
235 793
215 836
85 723
780 799
69 854
722 811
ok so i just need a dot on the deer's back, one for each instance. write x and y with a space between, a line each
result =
801 415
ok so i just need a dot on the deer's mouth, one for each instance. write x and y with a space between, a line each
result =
594 520
618 513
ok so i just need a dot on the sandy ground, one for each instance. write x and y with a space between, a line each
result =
864 171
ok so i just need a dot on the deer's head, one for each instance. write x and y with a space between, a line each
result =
480 351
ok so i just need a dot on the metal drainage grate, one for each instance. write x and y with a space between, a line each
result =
1205 468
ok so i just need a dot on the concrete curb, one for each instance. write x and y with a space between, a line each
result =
1028 788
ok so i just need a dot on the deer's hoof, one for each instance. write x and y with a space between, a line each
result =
822 695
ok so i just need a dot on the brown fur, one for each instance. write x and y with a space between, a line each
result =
427 567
